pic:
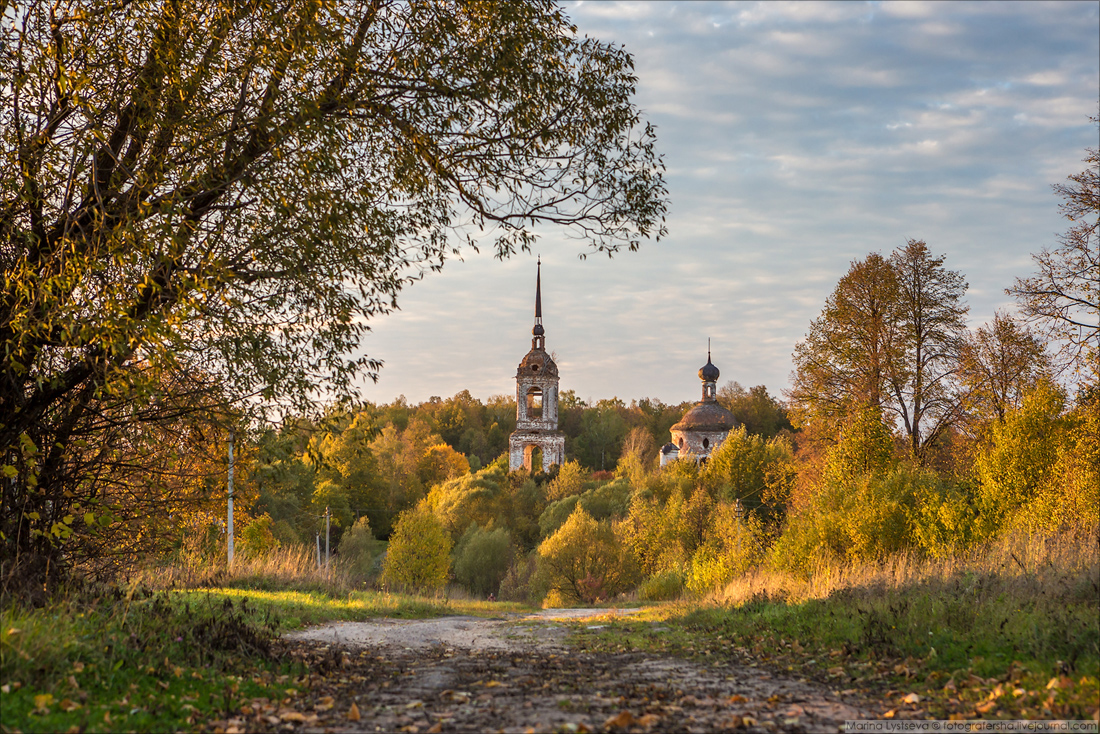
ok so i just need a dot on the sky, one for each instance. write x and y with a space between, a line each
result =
798 137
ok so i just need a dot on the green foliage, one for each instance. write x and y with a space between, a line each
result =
662 586
864 446
569 481
603 502
1040 467
1018 458
358 549
757 411
731 547
873 516
419 552
583 561
758 471
257 537
482 557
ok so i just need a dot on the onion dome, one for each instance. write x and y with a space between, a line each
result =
708 372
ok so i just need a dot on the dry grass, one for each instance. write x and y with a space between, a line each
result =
1020 562
291 567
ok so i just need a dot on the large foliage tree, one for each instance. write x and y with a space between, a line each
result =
242 185
888 340
845 358
1063 298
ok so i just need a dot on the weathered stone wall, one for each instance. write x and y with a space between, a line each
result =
551 443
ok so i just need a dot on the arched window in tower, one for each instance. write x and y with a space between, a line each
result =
534 404
706 443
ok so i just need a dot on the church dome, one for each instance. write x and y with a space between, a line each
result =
708 372
537 362
706 417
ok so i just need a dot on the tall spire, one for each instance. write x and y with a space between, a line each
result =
538 294
539 339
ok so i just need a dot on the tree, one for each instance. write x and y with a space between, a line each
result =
1064 297
848 352
931 319
755 409
419 552
242 186
888 339
1000 362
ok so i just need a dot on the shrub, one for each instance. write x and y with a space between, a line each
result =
359 550
584 561
662 586
521 581
482 558
731 547
419 553
257 539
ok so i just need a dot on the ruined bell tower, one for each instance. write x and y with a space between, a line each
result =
536 401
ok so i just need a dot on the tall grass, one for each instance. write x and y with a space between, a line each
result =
1022 564
290 567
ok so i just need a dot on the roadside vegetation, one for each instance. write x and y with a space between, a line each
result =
192 251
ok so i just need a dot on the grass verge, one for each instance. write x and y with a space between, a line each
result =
168 661
973 638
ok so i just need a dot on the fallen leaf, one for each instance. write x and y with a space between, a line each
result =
737 699
42 700
493 684
67 705
78 666
324 704
648 720
353 713
623 720
292 716
890 714
911 698
986 707
435 728
414 705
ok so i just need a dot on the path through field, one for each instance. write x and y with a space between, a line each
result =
515 674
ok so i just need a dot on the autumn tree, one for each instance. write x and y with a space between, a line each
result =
240 186
931 320
755 409
1063 298
999 363
888 340
847 355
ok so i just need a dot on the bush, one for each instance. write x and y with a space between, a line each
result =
584 561
359 550
482 558
257 538
419 552
663 586
730 549
521 582
603 502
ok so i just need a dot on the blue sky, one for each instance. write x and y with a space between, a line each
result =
798 137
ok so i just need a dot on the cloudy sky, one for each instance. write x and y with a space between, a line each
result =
798 137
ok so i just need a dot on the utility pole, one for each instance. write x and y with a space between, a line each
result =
739 510
327 555
231 499
318 550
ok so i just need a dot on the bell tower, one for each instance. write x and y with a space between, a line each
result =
536 402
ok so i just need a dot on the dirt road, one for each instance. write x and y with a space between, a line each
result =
515 674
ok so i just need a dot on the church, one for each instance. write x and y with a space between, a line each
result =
537 442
